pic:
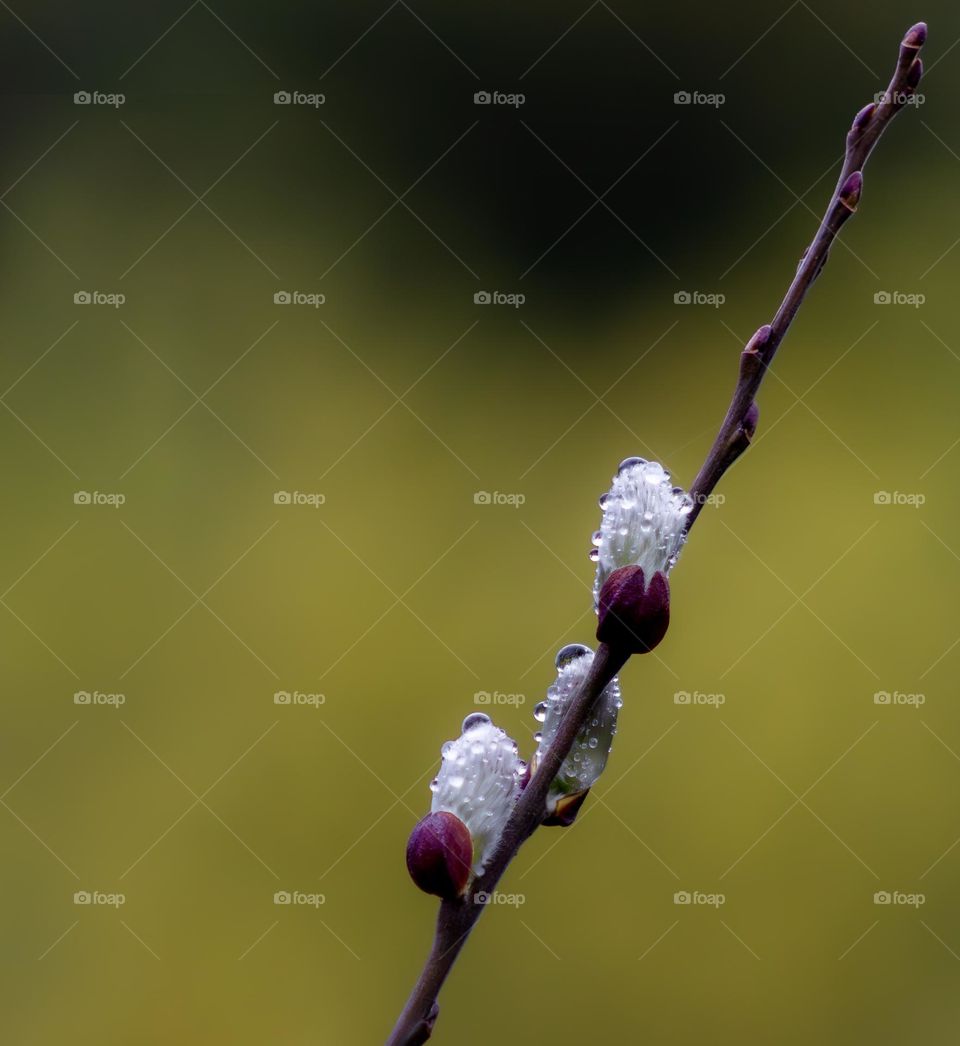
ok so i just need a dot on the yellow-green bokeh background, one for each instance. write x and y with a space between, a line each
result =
400 598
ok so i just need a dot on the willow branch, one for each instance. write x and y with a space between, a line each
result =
457 917
740 421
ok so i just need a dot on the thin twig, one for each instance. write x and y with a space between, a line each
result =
457 917
738 425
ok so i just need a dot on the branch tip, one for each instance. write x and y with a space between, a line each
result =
916 36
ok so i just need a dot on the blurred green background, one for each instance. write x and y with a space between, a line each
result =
395 598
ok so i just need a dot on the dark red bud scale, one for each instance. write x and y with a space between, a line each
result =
440 855
632 615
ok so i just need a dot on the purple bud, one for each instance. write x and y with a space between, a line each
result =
566 810
863 117
440 855
913 75
633 616
750 419
916 36
759 340
850 191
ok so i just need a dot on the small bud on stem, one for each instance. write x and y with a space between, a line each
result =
633 615
486 803
440 855
849 194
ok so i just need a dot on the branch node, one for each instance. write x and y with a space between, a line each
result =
849 194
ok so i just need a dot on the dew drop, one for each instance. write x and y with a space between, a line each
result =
594 554
540 712
475 719
569 653
629 463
